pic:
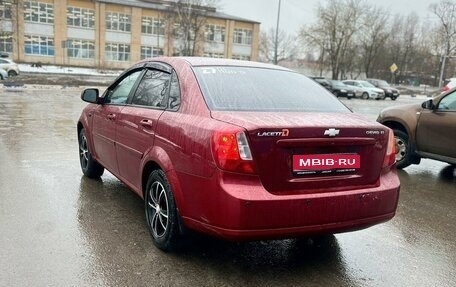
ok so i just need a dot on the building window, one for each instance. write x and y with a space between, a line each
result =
38 12
80 17
81 49
6 43
152 26
214 55
242 36
118 22
117 52
5 9
215 33
241 57
39 45
149 52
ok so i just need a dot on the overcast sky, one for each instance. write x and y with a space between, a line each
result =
295 13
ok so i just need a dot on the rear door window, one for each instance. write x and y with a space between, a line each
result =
174 94
153 89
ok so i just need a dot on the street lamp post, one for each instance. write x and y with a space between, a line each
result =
276 44
442 68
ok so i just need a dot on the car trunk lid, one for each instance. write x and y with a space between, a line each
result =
300 152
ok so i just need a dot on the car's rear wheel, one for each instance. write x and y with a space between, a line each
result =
403 153
393 98
161 213
365 96
12 73
90 167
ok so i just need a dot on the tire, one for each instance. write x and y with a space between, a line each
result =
161 213
403 152
393 98
12 73
90 167
365 96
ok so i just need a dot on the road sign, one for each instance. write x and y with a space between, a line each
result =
393 68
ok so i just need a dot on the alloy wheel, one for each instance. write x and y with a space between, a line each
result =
83 152
401 148
157 203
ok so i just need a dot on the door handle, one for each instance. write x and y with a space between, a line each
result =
146 123
111 117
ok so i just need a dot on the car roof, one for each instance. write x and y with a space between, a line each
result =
203 61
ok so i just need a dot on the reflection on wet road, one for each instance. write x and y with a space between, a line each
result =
61 229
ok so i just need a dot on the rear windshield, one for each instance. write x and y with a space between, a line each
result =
228 88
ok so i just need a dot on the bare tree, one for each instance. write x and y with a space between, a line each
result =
287 46
373 36
338 21
409 36
445 11
187 21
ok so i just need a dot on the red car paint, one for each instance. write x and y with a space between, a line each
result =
258 199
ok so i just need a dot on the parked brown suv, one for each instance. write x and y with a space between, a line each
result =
426 130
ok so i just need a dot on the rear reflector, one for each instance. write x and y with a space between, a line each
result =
390 156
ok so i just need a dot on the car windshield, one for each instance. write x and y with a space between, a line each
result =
228 88
366 84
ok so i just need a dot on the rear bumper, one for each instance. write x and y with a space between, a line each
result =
244 210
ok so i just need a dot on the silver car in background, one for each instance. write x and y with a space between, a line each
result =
10 67
366 89
3 74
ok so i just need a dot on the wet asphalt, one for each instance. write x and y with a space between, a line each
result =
58 228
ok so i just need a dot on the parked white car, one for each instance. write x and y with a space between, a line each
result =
366 89
3 74
10 67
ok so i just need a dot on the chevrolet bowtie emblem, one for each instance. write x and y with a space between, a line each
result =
331 132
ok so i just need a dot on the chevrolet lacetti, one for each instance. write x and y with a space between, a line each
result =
239 150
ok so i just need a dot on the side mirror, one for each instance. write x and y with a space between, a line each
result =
429 105
91 96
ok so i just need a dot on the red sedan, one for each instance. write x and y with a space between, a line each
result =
239 150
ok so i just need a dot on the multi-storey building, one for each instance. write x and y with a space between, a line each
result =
115 33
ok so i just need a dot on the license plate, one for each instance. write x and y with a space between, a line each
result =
325 163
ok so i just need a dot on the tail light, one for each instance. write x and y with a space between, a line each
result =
446 88
231 152
390 156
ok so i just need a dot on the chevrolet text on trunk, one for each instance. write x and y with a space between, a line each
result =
238 150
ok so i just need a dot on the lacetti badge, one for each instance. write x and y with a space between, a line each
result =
331 132
283 133
322 162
